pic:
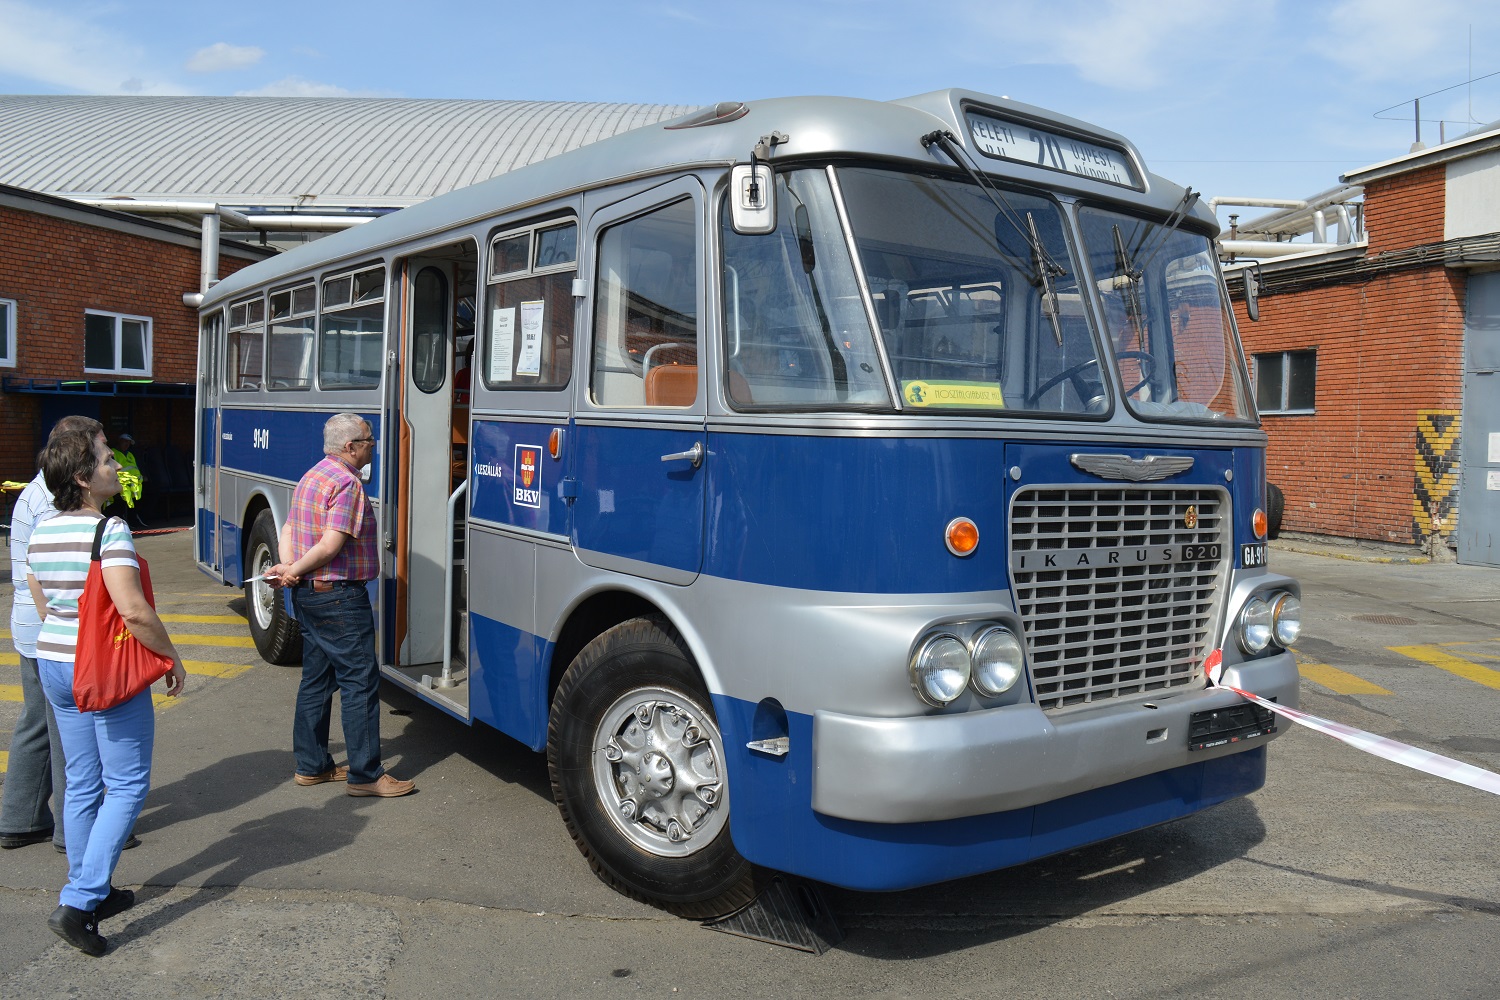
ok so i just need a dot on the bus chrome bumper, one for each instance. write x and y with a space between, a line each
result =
936 767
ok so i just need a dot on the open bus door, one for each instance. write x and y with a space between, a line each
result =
206 447
426 483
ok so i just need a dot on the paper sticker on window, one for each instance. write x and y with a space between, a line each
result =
923 393
502 343
530 360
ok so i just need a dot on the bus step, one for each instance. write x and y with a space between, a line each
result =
790 912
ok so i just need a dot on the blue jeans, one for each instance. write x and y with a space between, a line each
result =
109 773
35 772
338 650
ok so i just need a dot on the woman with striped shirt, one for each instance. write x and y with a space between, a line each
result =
108 753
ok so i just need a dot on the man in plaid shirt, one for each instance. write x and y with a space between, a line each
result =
329 552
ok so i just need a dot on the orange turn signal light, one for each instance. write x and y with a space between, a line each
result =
554 442
961 536
1258 522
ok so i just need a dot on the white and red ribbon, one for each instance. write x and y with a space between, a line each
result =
1392 750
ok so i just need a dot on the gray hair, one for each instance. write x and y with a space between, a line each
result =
341 429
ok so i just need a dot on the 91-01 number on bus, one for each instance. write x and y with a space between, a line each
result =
1145 555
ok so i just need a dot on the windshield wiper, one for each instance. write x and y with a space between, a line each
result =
1133 309
1179 215
1043 267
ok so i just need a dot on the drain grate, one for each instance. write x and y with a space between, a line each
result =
1386 620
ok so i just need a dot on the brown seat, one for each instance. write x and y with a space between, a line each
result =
672 385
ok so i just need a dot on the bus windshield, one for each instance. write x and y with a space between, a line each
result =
977 298
1166 318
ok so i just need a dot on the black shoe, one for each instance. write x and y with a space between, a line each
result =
79 928
133 842
11 841
118 901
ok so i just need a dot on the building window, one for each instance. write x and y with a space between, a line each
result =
7 333
116 345
1286 382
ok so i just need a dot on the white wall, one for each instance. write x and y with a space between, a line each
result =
1473 204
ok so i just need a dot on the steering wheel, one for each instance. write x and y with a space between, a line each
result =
1148 365
1148 372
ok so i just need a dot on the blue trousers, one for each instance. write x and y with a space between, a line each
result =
338 650
35 772
109 773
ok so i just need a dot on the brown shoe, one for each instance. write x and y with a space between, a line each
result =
386 787
340 773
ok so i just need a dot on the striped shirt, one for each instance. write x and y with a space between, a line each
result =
59 558
330 495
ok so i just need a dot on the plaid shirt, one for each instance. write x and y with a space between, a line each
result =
330 495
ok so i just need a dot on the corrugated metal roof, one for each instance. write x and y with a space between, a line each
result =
286 151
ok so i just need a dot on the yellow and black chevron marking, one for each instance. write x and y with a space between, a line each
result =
1434 504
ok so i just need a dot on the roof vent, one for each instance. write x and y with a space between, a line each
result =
724 111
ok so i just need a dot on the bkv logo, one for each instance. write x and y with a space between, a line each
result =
527 488
122 637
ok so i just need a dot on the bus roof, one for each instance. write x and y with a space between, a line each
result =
815 127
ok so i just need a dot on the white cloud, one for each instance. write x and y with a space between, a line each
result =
1122 44
71 54
222 56
295 86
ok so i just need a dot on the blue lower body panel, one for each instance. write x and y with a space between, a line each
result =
773 823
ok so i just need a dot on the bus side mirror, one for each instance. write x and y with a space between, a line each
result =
1252 293
752 198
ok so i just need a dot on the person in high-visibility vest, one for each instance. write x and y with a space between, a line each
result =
131 480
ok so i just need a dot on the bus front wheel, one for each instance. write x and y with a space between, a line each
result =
274 631
637 766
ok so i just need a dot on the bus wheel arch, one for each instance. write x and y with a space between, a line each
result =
637 764
275 632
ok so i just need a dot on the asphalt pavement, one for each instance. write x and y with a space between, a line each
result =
1347 876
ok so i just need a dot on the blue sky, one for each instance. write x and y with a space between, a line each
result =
1273 98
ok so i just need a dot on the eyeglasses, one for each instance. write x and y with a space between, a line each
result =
368 440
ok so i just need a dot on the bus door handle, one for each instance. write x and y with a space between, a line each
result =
693 454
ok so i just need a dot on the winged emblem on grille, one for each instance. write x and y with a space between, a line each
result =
1136 470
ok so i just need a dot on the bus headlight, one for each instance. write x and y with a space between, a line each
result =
940 670
1286 615
1255 625
997 661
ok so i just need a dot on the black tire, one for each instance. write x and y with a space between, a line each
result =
1275 506
274 631
636 691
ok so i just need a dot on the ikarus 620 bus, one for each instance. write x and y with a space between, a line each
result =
854 489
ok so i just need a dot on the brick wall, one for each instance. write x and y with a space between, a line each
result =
55 269
1387 348
1407 210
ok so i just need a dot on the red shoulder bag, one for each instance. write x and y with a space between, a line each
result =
112 665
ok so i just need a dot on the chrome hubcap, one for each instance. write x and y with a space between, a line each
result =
263 596
658 771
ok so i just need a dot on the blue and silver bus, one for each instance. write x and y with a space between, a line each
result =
852 489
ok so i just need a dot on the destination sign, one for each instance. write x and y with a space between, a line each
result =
1027 143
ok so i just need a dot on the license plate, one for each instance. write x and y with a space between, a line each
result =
1253 554
1200 553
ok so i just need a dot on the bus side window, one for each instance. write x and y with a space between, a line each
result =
247 337
646 318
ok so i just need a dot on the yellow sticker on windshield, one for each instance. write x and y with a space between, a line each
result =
921 393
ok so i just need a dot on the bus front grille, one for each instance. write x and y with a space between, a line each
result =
1119 589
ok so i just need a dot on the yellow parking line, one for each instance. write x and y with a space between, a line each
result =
1458 666
204 619
224 671
237 641
4 761
1338 681
10 659
10 692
